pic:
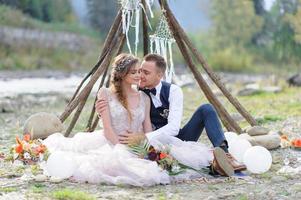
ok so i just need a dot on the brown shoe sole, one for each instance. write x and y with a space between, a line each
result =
222 160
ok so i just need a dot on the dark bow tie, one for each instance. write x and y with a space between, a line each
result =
153 91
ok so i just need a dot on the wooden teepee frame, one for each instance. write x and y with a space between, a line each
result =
113 46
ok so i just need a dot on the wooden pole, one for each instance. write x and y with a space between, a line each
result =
145 30
105 50
228 122
89 128
90 85
215 78
86 77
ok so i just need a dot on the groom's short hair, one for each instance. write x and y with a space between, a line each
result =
159 61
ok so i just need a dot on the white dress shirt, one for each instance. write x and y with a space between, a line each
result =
175 111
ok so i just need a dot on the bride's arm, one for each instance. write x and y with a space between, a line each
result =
147 125
106 120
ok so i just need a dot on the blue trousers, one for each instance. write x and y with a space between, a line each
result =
204 117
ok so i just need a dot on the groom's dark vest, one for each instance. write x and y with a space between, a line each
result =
159 115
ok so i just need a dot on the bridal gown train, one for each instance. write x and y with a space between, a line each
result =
98 161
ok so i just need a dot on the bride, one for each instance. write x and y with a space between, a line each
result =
101 156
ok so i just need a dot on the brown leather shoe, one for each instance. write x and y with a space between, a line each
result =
221 163
235 164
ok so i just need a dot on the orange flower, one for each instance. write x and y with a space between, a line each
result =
296 142
19 148
163 155
41 149
18 140
26 137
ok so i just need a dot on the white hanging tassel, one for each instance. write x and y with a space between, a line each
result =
127 20
137 11
151 45
157 46
161 43
171 66
131 8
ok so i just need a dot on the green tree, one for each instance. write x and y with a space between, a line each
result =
102 14
284 44
234 22
45 10
295 22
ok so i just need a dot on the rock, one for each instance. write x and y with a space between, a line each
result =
40 178
6 107
41 125
296 187
253 86
211 198
294 80
248 137
257 130
272 89
270 141
54 179
248 92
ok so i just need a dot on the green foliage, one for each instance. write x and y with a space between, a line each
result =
8 189
15 18
235 22
36 58
46 10
269 118
38 188
295 23
230 59
68 194
102 14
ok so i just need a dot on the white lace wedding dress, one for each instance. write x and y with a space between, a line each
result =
98 161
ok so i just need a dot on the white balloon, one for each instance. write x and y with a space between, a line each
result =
60 165
258 159
230 136
238 147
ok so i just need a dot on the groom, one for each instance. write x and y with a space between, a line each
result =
167 109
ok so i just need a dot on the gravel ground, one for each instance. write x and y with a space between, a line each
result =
270 185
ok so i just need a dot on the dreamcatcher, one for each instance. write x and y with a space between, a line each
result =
161 43
131 10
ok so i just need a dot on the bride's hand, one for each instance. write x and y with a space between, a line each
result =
130 138
101 105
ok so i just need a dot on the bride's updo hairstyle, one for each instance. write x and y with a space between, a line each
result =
121 67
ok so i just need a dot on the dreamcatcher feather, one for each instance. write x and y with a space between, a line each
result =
161 43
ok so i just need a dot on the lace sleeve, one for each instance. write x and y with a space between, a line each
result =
104 93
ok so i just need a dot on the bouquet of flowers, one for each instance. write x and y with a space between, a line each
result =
162 157
28 151
294 143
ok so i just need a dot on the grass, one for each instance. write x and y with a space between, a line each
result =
68 194
8 189
242 197
38 188
31 57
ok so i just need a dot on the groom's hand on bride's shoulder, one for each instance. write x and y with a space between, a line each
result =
101 105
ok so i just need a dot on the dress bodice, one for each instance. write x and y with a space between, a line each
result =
120 119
